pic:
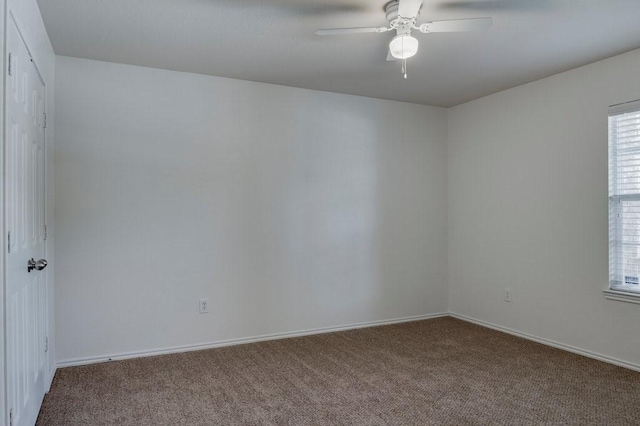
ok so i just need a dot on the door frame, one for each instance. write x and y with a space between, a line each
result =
7 17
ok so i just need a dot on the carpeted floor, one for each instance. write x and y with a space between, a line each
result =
440 371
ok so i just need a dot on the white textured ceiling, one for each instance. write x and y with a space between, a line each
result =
273 41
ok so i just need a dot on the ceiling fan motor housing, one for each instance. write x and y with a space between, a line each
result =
391 9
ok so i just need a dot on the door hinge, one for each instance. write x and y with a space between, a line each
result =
9 242
46 344
45 119
10 70
45 232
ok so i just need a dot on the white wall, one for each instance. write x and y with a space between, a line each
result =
289 209
527 188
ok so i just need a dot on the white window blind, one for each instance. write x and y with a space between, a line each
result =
624 197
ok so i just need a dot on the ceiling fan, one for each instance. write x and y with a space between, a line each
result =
402 16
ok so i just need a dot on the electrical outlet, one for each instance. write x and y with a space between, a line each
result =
204 306
508 295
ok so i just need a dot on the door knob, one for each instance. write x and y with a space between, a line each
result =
37 265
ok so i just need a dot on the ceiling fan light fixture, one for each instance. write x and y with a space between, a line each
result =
403 46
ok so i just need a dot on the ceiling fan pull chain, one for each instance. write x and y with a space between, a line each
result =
404 67
404 62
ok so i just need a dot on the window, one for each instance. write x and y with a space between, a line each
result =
624 198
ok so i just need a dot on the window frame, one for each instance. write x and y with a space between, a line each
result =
622 292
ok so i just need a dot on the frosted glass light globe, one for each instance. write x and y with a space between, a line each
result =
403 46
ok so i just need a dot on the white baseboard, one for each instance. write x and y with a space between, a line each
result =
232 342
276 336
552 343
52 374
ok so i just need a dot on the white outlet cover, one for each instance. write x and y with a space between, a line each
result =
204 306
508 295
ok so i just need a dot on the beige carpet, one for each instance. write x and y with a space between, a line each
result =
440 371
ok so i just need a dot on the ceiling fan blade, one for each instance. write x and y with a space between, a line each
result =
336 31
299 8
409 8
390 57
457 25
491 5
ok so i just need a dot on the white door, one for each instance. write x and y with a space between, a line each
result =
26 295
